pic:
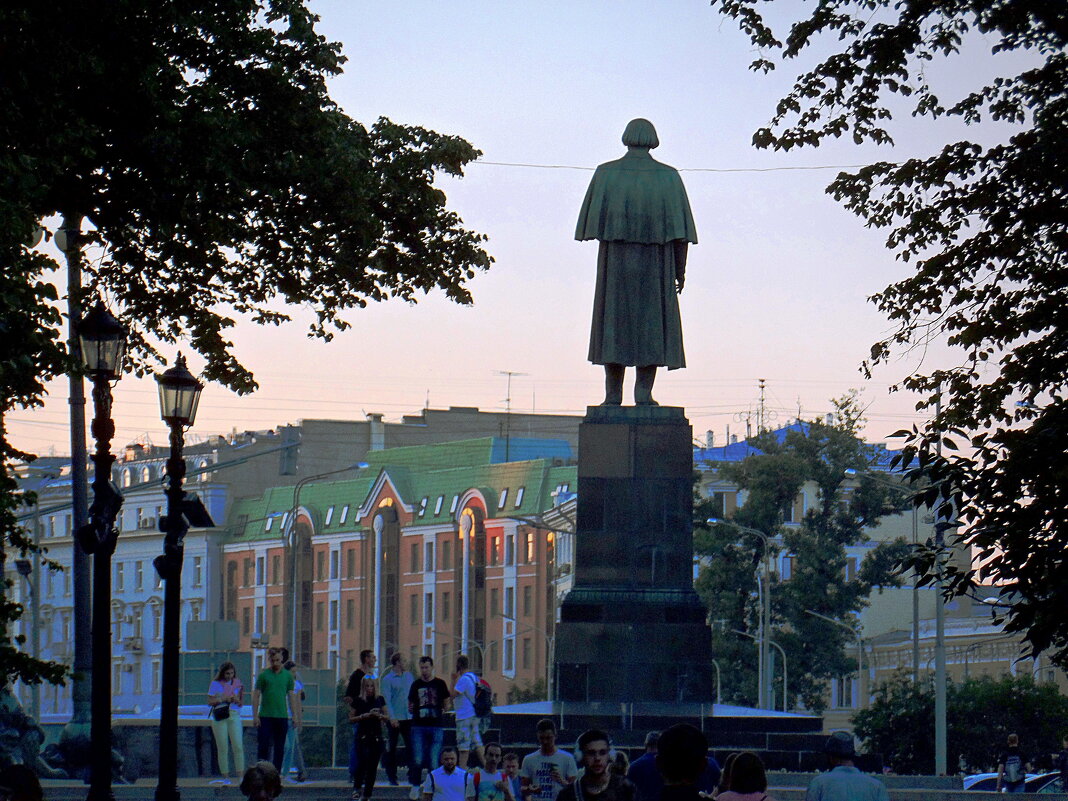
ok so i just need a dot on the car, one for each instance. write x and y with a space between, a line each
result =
1036 782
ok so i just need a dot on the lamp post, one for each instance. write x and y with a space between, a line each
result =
862 701
294 554
550 646
853 473
785 671
764 689
103 342
179 395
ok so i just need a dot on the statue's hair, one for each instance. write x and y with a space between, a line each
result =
640 133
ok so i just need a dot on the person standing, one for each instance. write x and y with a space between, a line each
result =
447 783
396 685
843 782
293 757
748 780
1060 762
225 694
426 703
681 758
369 710
272 699
368 660
598 780
548 770
510 769
489 783
468 736
643 773
1012 767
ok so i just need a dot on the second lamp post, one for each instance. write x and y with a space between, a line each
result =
179 394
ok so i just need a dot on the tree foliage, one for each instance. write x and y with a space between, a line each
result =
985 226
837 518
980 713
199 143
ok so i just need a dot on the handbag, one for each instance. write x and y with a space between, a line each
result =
220 711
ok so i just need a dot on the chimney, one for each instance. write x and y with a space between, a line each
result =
378 432
710 439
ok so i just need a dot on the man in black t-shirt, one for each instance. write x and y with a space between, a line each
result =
1012 767
426 702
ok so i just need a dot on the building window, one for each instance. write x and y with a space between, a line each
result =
413 606
329 516
526 653
528 546
333 615
428 557
118 576
446 555
276 569
428 607
495 550
519 493
414 558
509 655
503 499
438 504
334 559
493 655
446 603
422 506
156 675
259 620
509 602
350 613
126 478
344 514
261 571
269 522
246 621
116 678
198 570
157 621
275 619
116 622
350 567
528 600
495 600
455 503
509 550
320 616
320 565
139 575
445 654
246 572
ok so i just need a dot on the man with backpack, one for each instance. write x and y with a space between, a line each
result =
465 689
1012 767
490 783
447 783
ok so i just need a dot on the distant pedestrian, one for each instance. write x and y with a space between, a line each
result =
1013 765
620 764
396 684
643 773
725 775
597 781
748 780
272 700
843 782
681 758
293 756
448 782
261 782
548 770
427 698
368 713
468 733
368 661
225 696
510 766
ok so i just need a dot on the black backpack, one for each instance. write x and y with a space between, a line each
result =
483 700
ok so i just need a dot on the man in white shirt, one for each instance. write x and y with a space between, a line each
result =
447 783
468 736
548 770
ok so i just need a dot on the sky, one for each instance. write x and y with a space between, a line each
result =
776 289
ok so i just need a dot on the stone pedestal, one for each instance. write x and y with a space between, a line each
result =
632 628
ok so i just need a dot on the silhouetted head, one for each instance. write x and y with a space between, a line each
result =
681 754
640 133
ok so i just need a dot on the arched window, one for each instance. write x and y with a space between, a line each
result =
146 474
126 477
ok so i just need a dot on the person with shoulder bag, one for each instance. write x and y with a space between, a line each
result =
225 696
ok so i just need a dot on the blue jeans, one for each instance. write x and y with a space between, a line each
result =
1015 787
426 750
271 740
293 756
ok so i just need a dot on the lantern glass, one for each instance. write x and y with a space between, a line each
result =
103 342
179 394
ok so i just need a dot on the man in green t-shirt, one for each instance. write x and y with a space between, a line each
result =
273 691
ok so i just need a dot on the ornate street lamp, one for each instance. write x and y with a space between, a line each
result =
179 394
103 341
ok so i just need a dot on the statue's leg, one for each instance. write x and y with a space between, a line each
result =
643 386
613 384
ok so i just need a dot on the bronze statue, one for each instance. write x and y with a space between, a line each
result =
637 209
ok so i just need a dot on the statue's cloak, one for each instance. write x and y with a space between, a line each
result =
637 208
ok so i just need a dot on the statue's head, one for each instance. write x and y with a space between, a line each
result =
640 133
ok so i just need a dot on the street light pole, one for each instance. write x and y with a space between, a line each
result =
863 700
103 341
785 672
941 524
179 395
764 684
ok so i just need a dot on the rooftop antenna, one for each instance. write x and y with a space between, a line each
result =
508 413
